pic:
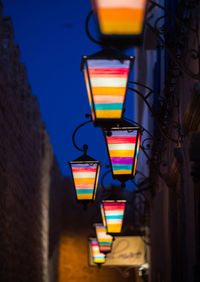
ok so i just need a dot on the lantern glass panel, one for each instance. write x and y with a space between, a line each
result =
106 83
120 17
104 240
85 176
97 256
114 215
123 145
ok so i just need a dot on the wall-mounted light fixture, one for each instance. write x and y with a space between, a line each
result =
123 143
106 77
85 173
97 257
104 240
120 21
112 215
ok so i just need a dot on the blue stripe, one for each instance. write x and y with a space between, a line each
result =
114 216
105 243
111 106
84 191
122 167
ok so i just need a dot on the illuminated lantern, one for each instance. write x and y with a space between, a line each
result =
120 20
113 212
85 173
97 257
106 77
104 240
123 144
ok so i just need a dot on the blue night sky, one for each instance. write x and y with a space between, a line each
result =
52 39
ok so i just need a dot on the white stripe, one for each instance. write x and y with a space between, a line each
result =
110 82
136 4
121 146
114 221
84 174
114 213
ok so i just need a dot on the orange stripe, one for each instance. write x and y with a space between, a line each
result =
120 14
84 180
108 90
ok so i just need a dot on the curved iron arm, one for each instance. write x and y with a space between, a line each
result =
180 65
85 146
143 85
177 141
143 128
87 29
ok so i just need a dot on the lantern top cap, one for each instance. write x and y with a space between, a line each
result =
108 53
114 201
84 158
125 125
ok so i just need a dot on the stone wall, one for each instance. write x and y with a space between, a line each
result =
28 175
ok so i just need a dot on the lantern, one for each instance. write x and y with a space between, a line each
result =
104 240
120 21
113 213
85 172
106 77
97 257
123 143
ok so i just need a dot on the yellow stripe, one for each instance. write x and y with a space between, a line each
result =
108 91
114 228
121 27
108 113
121 153
122 171
84 180
84 196
105 240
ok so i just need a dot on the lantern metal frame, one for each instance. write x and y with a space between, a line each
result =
123 125
103 214
85 159
118 40
106 54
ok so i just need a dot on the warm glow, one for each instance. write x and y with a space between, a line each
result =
97 256
106 82
85 176
123 148
120 17
114 214
104 240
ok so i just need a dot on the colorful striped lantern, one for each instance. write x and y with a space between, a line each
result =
106 77
85 171
104 240
120 19
113 211
123 143
97 257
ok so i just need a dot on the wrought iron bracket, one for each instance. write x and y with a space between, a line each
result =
85 146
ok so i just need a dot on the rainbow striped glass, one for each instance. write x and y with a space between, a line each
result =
85 177
104 240
106 81
120 17
97 256
114 214
123 145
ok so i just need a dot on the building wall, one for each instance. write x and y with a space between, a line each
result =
28 173
77 226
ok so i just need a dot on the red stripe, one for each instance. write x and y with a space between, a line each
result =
121 140
84 169
109 71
